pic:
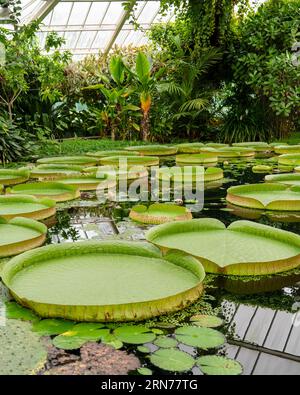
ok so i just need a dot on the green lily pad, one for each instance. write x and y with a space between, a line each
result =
120 161
144 371
136 334
284 178
165 342
69 160
203 338
13 176
73 339
159 213
97 280
172 360
51 327
207 321
153 150
111 340
22 352
14 311
218 365
143 349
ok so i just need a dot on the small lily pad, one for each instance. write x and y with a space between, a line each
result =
50 327
68 342
111 340
134 334
73 339
203 338
218 365
157 331
145 371
143 349
172 360
15 311
165 342
207 321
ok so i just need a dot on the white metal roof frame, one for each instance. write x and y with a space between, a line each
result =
92 26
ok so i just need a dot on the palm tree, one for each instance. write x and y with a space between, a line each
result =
188 98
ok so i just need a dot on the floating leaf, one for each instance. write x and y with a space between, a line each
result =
111 340
157 331
134 334
145 371
172 360
15 311
143 349
204 338
73 339
165 342
207 321
217 365
52 327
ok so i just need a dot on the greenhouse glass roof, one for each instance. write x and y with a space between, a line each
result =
90 26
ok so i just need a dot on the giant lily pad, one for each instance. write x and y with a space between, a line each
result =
189 148
153 150
121 161
262 169
13 176
103 281
216 145
218 365
285 178
102 154
289 159
172 360
55 171
189 174
159 213
26 206
244 248
19 235
297 169
287 149
52 190
89 182
69 160
121 174
208 159
203 338
229 152
258 146
22 352
269 196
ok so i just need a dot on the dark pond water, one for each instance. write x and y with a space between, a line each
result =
241 303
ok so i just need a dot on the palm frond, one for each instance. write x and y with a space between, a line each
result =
194 104
170 87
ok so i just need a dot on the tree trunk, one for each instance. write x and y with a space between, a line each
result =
145 126
10 110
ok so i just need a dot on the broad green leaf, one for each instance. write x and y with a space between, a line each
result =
143 349
135 334
208 321
165 342
50 327
218 365
144 371
143 67
15 311
204 338
172 360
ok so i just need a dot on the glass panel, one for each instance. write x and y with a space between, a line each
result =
61 14
102 39
96 13
114 13
71 39
149 12
85 39
79 13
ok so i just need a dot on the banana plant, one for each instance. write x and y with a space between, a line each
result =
146 83
116 91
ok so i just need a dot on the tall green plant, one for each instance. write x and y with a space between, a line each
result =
146 81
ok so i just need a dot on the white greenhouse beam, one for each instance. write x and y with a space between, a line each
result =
119 26
43 11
